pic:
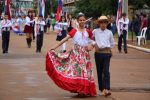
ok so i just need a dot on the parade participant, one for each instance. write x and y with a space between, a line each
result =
39 32
123 29
33 25
72 71
48 23
70 22
53 23
5 28
28 28
62 33
104 43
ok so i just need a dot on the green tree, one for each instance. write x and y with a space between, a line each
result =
50 6
1 6
96 8
139 3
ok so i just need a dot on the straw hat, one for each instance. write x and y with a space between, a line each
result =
102 18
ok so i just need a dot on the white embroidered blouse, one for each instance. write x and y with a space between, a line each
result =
81 38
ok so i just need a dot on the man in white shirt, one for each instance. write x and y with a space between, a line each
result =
122 32
6 26
104 43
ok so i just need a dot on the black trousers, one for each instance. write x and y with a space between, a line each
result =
124 37
102 61
33 34
5 40
39 41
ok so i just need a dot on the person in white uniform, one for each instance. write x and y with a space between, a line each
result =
39 32
6 26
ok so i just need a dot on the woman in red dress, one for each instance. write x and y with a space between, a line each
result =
72 71
28 28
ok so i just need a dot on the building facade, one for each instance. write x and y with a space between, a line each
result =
69 5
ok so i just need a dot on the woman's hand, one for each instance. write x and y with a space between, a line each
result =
90 47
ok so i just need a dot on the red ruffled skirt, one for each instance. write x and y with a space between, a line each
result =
72 71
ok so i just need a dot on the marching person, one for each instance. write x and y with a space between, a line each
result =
28 28
62 32
48 23
6 26
104 43
74 71
33 25
123 29
39 32
70 23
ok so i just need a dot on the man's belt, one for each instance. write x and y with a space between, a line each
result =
103 50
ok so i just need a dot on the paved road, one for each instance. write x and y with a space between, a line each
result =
23 76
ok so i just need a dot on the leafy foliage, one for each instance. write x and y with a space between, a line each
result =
96 8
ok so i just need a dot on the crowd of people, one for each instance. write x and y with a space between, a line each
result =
139 21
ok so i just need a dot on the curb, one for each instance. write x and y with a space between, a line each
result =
139 48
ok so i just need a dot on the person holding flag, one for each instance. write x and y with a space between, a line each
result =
5 28
122 32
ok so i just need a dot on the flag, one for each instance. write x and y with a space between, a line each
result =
119 11
42 7
59 10
7 8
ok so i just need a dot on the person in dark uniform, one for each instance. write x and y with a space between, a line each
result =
48 23
148 28
6 26
40 23
33 25
63 33
70 20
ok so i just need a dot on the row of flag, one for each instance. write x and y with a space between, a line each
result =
59 9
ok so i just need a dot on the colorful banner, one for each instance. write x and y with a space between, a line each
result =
59 10
42 7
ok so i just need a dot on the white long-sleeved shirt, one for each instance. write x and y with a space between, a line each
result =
122 25
40 25
28 21
103 38
6 24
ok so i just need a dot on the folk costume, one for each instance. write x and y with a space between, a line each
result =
73 71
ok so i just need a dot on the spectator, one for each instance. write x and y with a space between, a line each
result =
148 28
136 24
